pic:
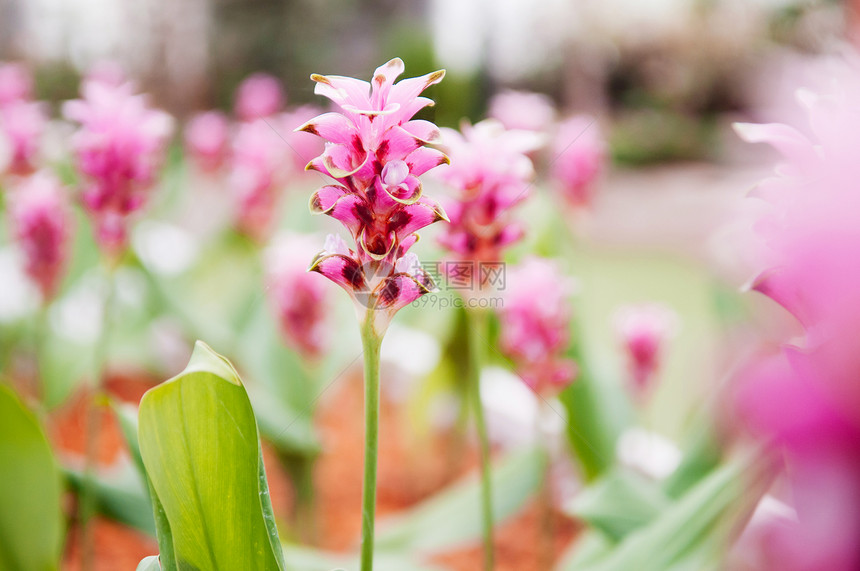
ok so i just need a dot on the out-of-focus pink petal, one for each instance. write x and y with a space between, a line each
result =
258 96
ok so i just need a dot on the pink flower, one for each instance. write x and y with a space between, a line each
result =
207 141
259 172
118 149
579 156
535 322
258 96
523 110
22 123
643 331
41 222
297 295
808 398
491 173
16 84
376 152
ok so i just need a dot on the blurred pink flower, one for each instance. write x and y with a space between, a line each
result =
808 399
643 331
376 153
42 222
535 319
118 149
16 84
297 295
207 141
23 124
259 173
491 173
258 96
523 110
579 156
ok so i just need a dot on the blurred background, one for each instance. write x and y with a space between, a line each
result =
683 61
664 80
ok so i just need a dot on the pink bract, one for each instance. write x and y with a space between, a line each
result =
297 295
207 140
41 222
579 154
258 96
643 331
808 398
118 148
491 174
375 153
523 110
535 320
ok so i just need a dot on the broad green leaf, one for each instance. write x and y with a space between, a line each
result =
149 564
200 446
30 487
452 518
693 529
120 494
618 503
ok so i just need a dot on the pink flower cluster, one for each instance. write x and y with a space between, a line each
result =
41 222
260 154
297 295
118 149
22 120
375 152
491 173
535 320
808 398
643 331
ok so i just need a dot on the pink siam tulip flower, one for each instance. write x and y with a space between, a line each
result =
523 110
41 221
207 141
535 322
297 295
23 124
579 155
808 399
375 153
643 331
492 174
118 149
259 172
16 84
258 96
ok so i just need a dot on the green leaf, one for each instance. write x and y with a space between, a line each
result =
695 529
200 446
119 495
30 487
619 503
149 564
452 517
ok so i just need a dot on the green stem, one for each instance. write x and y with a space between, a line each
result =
87 506
477 326
371 342
547 532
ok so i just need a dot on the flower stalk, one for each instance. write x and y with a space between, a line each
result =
371 342
477 327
